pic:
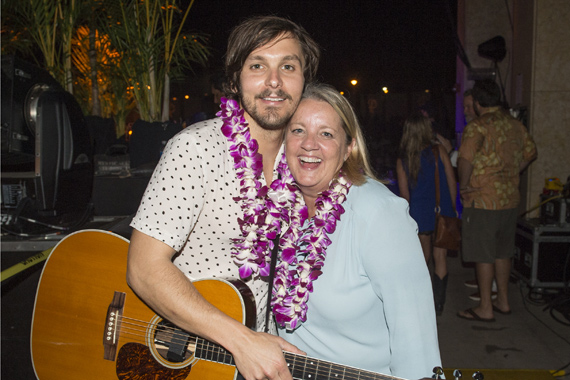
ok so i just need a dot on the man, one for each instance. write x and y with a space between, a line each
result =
470 115
188 216
494 150
468 109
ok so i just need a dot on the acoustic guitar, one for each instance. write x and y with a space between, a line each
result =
88 324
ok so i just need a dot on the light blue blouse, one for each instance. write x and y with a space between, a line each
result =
372 308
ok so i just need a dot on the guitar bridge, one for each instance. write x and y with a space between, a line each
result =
113 326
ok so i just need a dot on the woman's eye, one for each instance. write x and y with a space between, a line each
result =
327 134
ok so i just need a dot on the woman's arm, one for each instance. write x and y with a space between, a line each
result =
395 265
450 175
402 180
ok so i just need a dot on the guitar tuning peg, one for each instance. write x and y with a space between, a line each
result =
478 376
457 374
437 373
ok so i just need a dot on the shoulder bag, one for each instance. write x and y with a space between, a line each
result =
447 229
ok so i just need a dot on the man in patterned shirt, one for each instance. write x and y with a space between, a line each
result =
188 218
495 149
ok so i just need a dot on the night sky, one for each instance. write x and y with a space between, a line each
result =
405 45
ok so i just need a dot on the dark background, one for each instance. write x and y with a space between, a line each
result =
405 45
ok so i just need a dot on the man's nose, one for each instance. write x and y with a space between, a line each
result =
273 79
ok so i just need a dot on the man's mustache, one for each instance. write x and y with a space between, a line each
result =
279 94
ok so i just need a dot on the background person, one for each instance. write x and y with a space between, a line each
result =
188 218
495 149
415 170
372 306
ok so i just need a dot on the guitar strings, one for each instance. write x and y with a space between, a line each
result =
138 328
347 372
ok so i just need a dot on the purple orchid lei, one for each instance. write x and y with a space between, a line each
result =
265 208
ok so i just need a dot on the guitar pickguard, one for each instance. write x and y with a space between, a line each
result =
135 361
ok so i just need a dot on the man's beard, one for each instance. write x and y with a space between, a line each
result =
270 118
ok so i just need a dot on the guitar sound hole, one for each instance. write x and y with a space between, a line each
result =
172 343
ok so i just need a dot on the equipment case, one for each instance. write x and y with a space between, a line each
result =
542 254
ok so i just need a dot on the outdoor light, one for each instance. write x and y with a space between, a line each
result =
385 89
354 82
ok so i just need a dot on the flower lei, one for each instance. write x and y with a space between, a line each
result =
264 209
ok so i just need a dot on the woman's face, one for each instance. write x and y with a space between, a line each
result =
315 146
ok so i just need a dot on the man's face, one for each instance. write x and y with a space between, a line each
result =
271 83
468 108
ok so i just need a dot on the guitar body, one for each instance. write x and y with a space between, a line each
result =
84 275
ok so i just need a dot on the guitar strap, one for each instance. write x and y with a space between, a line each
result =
271 277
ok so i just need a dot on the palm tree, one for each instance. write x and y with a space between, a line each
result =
131 50
148 35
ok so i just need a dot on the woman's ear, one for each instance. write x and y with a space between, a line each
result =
349 150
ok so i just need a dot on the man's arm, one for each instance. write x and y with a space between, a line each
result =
464 169
153 276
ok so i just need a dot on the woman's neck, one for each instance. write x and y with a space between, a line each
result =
310 201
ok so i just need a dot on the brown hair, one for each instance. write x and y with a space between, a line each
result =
417 135
258 31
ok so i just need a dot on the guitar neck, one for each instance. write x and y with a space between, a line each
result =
301 367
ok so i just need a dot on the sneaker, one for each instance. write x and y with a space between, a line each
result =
471 284
477 296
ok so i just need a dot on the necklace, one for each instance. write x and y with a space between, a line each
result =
294 277
259 225
265 209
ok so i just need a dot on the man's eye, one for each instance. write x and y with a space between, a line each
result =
289 67
256 66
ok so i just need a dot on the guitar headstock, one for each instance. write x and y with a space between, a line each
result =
457 375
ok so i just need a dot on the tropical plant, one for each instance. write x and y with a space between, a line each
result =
50 24
105 85
148 35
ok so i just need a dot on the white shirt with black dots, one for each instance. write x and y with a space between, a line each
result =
189 205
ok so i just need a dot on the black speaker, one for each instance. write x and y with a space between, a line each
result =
148 141
19 78
47 160
493 49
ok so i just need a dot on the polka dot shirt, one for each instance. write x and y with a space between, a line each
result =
189 205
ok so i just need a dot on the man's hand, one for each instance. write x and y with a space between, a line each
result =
259 356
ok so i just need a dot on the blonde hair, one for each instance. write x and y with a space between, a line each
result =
357 167
417 135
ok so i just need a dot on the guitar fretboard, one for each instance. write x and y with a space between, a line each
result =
301 367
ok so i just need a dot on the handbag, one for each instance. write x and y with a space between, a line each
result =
447 228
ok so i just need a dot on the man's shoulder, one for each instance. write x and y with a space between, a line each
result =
211 127
207 132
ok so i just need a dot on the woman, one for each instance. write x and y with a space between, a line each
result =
358 293
416 181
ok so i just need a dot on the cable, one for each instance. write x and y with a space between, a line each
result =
540 204
538 319
560 369
510 17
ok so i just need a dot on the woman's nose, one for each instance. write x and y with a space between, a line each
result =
309 142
